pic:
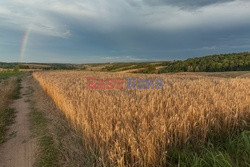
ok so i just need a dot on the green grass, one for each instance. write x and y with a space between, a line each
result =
232 152
149 70
17 91
7 117
47 153
117 67
8 74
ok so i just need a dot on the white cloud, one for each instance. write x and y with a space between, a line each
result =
213 16
21 15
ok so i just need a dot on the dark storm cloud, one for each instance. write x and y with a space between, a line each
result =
112 30
185 3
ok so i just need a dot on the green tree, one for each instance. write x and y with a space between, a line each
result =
16 69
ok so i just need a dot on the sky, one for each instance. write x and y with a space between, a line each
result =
97 31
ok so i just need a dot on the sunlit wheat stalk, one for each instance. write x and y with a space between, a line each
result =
137 127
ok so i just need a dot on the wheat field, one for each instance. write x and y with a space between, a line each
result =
137 127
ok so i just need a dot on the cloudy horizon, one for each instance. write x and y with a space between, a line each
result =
96 31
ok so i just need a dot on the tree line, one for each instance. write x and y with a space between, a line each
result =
214 63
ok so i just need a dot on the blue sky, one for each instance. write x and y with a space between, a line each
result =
90 31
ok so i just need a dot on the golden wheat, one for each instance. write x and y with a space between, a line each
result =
137 127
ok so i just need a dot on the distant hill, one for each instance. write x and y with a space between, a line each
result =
44 66
8 65
214 63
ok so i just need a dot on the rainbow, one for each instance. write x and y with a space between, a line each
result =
24 44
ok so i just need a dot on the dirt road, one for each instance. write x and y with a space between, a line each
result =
20 149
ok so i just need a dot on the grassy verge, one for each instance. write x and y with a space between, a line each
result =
58 142
7 117
17 91
231 152
9 91
6 75
47 154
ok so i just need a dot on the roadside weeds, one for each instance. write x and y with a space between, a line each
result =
47 153
59 144
10 90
